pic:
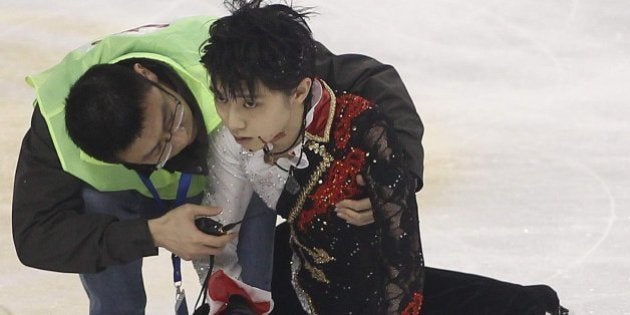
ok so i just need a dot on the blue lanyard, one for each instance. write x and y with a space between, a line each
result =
182 190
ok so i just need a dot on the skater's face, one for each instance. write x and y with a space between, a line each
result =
263 116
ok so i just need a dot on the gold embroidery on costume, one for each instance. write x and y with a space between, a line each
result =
319 255
305 299
314 180
316 273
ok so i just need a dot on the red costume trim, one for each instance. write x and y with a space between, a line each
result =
317 127
414 306
348 108
220 287
339 182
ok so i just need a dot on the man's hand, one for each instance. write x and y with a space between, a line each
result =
356 212
176 231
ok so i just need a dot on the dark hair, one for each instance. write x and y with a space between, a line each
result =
104 112
271 44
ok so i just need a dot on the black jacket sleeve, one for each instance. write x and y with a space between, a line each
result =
51 230
382 85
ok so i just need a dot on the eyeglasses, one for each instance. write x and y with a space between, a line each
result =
176 124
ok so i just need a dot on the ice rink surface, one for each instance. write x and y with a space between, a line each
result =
526 106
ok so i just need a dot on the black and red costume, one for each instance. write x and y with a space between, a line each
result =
339 268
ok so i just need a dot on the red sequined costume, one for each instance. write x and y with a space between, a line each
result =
340 268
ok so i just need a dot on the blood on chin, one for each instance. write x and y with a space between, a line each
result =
274 139
279 136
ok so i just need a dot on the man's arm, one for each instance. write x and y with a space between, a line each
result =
51 230
382 85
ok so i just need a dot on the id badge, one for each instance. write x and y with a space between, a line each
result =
181 308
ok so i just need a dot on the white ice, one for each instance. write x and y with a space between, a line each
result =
525 105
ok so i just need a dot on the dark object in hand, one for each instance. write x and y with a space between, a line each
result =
209 226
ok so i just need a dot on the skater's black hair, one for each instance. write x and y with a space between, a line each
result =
272 45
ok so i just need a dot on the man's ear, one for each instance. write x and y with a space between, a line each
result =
143 71
302 90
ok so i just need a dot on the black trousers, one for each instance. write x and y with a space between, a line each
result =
445 292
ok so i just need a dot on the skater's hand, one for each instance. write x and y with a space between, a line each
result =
176 231
356 212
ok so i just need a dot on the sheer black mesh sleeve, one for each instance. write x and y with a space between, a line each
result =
381 84
391 190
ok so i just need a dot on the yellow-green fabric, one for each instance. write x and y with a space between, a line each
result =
176 44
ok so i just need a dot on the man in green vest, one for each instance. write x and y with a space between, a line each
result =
98 208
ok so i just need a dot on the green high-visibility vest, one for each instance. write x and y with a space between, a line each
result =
178 45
